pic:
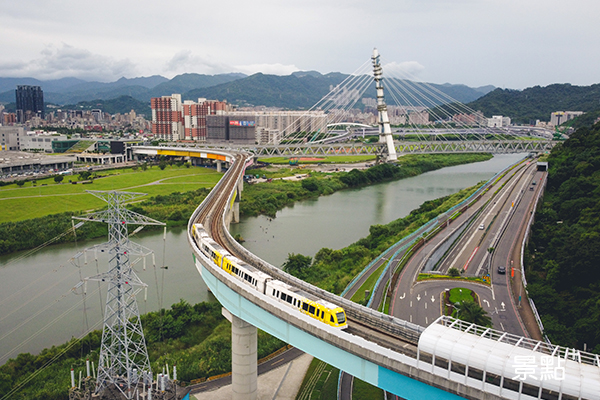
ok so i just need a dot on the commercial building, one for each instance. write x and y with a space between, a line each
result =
16 162
30 103
560 117
42 142
10 137
286 123
234 128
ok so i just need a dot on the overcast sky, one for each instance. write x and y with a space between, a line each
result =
506 43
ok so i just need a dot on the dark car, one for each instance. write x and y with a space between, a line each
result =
501 269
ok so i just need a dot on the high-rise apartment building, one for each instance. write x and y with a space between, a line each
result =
194 117
30 103
167 117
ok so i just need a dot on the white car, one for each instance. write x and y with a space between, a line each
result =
481 227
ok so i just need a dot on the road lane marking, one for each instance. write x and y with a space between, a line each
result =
470 258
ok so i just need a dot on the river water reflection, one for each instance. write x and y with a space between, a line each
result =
342 218
38 308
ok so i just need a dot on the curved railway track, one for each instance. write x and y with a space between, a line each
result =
210 214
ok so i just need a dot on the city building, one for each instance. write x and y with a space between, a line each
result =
282 124
9 119
10 137
215 121
498 121
40 141
30 103
234 128
475 119
194 117
418 118
167 117
560 117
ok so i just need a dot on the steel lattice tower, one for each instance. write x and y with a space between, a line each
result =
123 357
385 131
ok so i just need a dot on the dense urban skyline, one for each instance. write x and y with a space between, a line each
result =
510 44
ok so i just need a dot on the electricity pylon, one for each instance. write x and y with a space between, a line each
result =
123 363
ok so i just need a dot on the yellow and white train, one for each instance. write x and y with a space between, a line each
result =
304 302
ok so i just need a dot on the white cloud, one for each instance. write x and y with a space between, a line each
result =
69 61
271 69
405 69
185 61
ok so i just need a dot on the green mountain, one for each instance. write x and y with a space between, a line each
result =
71 90
270 90
563 255
524 106
186 82
122 105
302 90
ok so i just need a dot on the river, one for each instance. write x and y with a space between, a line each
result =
39 309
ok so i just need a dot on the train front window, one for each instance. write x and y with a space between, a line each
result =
340 317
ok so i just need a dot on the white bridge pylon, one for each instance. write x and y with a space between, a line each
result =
385 131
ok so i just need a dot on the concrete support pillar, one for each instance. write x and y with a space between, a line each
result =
219 165
236 211
243 358
240 187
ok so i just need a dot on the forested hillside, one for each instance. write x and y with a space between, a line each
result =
563 260
524 106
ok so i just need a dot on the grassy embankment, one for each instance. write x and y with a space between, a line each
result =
195 338
45 197
34 215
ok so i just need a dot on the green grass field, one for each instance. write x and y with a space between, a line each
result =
323 160
460 294
359 296
48 197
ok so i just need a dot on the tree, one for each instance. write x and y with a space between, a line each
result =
162 165
84 175
58 178
470 312
144 166
454 272
20 183
297 264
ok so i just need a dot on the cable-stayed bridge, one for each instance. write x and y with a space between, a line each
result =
418 119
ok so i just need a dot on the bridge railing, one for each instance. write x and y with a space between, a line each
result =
386 323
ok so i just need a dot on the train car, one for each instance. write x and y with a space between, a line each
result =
209 247
312 306
306 303
246 273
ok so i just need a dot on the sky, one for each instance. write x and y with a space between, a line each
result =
506 43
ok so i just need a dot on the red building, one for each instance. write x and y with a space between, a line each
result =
167 117
194 117
172 120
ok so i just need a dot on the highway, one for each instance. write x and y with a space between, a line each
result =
496 221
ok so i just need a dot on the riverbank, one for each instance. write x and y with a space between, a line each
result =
269 197
174 207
